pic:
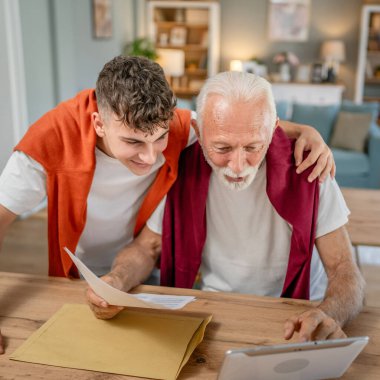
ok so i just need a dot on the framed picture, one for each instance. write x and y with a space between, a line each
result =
289 20
178 36
254 68
317 73
249 67
303 73
102 18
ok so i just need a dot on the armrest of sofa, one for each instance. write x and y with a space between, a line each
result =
374 155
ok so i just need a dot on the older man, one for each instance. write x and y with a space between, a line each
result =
259 239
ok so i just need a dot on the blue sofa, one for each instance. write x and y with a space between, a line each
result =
354 169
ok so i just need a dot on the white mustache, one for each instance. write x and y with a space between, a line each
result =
249 170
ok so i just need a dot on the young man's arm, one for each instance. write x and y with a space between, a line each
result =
6 218
130 268
309 139
344 295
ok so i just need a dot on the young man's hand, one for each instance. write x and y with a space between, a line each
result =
132 265
98 305
309 139
320 153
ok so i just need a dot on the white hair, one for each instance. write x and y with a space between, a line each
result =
235 87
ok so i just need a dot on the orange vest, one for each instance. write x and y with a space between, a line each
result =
63 141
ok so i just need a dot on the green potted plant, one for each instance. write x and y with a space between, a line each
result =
141 47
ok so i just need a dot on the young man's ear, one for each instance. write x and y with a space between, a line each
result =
98 124
194 124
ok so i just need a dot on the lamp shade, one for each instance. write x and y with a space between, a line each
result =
172 61
236 65
333 50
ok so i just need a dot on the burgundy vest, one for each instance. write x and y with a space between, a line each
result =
184 227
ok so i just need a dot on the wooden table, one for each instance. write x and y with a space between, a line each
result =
364 221
27 301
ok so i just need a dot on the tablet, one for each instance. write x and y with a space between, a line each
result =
323 359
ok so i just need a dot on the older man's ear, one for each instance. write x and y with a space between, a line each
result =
194 124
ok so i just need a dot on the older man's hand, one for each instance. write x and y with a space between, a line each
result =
310 140
98 305
313 324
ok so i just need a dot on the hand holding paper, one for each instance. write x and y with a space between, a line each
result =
117 297
100 307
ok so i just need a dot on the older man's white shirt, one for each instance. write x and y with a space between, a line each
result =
248 243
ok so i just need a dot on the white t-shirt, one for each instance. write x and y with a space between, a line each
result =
114 200
248 243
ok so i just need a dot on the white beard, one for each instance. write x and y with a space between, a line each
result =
248 174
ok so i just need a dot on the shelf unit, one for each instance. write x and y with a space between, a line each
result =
192 27
368 73
308 93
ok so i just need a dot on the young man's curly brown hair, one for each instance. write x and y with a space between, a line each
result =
136 91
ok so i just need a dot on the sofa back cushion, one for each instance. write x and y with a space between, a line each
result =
283 109
366 107
186 103
351 130
321 118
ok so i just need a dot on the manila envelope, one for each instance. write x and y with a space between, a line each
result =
153 344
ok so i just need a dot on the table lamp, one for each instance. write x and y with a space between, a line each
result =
236 65
333 52
173 63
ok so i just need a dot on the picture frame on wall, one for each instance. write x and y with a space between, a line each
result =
102 18
289 20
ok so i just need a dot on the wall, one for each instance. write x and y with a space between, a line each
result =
61 55
6 134
13 109
92 54
38 56
244 33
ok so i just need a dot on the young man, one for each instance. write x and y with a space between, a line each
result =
241 215
105 159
